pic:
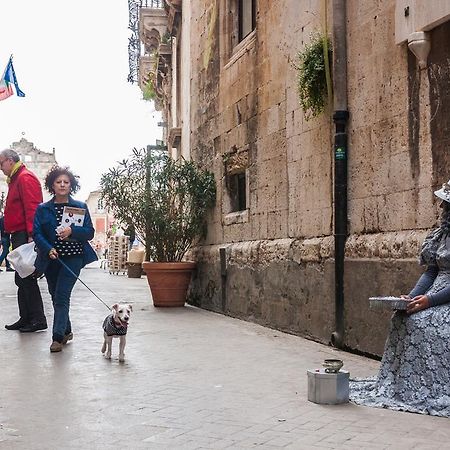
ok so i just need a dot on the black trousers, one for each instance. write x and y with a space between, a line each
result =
31 309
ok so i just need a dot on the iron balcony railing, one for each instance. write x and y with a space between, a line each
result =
152 3
134 43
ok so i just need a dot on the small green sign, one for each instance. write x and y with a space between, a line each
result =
340 153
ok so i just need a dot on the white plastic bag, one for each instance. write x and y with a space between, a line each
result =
23 258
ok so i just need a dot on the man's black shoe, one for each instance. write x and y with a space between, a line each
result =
33 327
10 269
16 325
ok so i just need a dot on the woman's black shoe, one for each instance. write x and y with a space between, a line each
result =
16 325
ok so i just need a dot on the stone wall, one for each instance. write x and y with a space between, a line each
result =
245 113
288 284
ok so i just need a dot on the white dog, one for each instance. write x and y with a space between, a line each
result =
116 325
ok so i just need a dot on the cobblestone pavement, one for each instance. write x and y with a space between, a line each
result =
192 380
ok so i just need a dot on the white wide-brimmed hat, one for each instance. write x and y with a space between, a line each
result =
444 192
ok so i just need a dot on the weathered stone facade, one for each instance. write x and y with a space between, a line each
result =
245 118
37 161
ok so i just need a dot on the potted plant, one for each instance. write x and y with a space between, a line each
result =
167 201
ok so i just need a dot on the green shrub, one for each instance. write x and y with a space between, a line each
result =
165 200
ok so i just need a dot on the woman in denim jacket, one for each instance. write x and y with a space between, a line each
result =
59 243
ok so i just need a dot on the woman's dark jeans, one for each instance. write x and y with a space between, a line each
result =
60 284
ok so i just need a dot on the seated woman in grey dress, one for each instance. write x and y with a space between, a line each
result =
415 370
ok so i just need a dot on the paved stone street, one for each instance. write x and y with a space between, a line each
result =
192 380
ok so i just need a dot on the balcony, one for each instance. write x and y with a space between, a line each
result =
147 69
155 65
174 137
154 22
135 10
152 27
173 9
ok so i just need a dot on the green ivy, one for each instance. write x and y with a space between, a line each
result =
312 78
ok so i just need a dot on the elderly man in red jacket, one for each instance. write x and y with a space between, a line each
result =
24 195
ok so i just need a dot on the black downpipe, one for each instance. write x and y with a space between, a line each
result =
340 220
223 277
340 148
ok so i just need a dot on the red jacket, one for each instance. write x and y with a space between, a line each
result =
24 196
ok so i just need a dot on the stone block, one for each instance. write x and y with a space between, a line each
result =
277 224
275 119
292 99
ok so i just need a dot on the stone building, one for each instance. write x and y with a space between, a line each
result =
36 160
102 220
312 216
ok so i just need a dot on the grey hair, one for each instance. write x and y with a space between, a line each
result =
9 153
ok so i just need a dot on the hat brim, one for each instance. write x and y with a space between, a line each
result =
443 195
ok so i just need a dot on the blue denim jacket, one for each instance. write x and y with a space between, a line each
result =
44 233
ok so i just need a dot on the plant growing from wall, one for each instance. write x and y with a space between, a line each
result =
149 93
166 38
314 80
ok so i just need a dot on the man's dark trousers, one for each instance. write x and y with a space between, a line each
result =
31 309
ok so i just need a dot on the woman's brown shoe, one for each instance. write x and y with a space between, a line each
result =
56 347
68 337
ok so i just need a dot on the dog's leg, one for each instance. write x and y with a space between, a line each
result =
108 346
123 341
104 343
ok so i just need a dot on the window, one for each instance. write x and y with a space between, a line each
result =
246 18
237 189
239 24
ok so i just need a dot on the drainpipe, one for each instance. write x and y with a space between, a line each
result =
340 118
223 277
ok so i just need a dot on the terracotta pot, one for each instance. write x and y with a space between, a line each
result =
134 270
169 281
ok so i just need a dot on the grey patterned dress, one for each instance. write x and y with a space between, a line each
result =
415 370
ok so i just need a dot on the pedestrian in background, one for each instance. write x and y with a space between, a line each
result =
63 246
131 233
5 242
24 195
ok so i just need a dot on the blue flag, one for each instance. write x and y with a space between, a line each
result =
10 77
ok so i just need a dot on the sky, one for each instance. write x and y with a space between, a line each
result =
72 64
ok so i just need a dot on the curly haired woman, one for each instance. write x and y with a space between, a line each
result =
62 245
